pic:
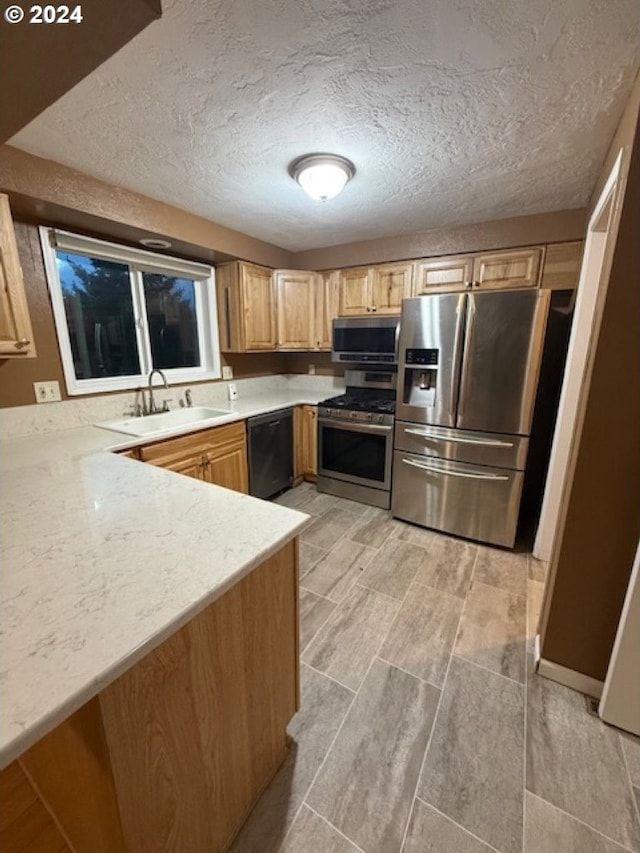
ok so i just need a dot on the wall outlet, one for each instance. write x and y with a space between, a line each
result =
232 391
312 370
227 372
47 392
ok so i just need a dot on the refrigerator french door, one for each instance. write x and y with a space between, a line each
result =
467 376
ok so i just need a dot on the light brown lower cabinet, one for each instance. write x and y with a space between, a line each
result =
217 455
173 754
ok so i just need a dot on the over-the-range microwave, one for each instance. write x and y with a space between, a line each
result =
365 340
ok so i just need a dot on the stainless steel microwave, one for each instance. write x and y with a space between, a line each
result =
365 340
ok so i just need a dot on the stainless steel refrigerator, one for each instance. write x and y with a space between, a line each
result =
468 367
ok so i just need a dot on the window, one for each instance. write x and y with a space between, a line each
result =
121 312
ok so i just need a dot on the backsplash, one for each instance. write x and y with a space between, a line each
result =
50 417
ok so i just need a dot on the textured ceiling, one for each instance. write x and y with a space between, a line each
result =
453 111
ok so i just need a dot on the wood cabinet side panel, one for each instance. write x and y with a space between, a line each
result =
310 442
229 298
71 770
561 266
15 322
151 728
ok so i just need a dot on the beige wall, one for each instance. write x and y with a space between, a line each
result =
555 227
592 562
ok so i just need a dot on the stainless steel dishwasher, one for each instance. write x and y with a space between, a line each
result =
270 452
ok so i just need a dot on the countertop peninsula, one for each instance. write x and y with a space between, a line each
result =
105 557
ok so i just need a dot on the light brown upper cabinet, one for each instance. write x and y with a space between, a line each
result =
561 266
374 290
246 307
486 270
295 309
327 299
435 274
16 334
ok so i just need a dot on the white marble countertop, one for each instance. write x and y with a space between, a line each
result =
105 557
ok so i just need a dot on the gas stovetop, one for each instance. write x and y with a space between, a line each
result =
362 405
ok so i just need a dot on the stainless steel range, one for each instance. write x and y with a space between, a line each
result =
355 438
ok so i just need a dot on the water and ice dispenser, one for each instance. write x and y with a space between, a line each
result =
420 377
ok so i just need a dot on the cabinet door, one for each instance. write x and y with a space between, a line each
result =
513 268
441 275
327 307
390 284
355 291
309 442
258 306
228 467
295 301
226 457
16 334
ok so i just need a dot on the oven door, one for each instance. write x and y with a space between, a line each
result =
355 452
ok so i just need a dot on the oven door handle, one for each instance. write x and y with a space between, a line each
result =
354 426
482 442
464 474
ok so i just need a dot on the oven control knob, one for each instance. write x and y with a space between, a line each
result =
353 415
368 416
379 418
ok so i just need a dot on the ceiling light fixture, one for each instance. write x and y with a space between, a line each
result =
322 176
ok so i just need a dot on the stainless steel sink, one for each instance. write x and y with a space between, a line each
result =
167 421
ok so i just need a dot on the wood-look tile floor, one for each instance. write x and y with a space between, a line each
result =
423 726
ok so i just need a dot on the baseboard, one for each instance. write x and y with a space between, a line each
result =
569 677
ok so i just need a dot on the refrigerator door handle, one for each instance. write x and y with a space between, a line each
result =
466 353
456 440
434 470
457 355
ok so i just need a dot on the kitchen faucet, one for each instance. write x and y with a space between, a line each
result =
152 406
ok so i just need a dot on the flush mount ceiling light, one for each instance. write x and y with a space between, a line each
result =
322 176
155 243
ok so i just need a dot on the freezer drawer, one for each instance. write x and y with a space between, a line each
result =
474 501
479 448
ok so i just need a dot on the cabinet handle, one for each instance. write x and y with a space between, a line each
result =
23 342
468 284
374 308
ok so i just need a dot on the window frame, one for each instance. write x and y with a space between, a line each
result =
139 261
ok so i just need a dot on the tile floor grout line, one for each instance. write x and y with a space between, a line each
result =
377 592
437 589
486 669
330 747
634 802
459 825
502 589
344 719
437 713
578 820
406 672
319 594
330 677
335 828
